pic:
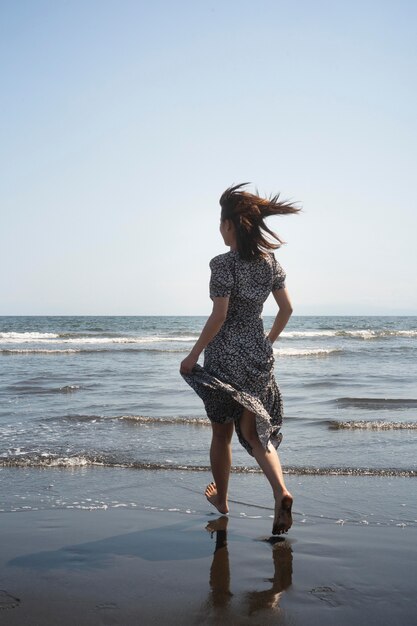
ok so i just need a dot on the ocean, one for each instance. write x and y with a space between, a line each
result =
82 393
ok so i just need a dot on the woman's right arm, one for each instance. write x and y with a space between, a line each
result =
285 310
210 330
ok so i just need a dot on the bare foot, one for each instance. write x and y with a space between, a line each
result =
283 518
213 498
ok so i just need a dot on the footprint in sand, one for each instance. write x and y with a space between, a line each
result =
108 613
7 601
325 594
107 605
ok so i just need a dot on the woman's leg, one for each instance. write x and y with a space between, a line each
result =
269 463
221 462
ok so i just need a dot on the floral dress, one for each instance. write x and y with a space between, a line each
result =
238 369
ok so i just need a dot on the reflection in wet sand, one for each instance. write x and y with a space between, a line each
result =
220 570
220 594
269 599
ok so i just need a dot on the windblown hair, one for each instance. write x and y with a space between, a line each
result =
248 212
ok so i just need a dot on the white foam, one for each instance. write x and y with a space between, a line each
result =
373 425
363 333
282 352
300 334
38 351
367 333
12 337
23 337
140 340
75 461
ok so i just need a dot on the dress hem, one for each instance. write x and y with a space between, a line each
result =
268 432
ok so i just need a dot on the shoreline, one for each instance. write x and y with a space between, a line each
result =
172 559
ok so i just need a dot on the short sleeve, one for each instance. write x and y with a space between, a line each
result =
278 275
221 281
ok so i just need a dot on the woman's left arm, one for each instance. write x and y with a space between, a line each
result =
285 309
210 330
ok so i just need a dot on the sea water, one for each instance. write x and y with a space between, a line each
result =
78 393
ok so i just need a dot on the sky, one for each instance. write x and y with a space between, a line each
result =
122 122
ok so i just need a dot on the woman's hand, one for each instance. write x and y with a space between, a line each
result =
187 364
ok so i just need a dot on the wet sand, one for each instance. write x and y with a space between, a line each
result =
190 566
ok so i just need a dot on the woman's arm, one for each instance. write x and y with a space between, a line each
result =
210 330
284 313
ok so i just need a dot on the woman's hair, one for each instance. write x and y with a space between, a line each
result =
247 212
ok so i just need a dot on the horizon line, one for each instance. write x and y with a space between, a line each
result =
204 315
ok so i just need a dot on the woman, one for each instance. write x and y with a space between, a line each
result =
237 383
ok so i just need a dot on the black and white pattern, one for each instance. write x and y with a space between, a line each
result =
239 362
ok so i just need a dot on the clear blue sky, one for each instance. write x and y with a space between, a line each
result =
122 123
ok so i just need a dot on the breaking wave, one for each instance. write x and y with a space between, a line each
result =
78 338
282 352
110 338
365 333
76 461
136 419
16 351
28 336
372 425
83 351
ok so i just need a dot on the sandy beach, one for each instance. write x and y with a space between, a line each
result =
161 563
